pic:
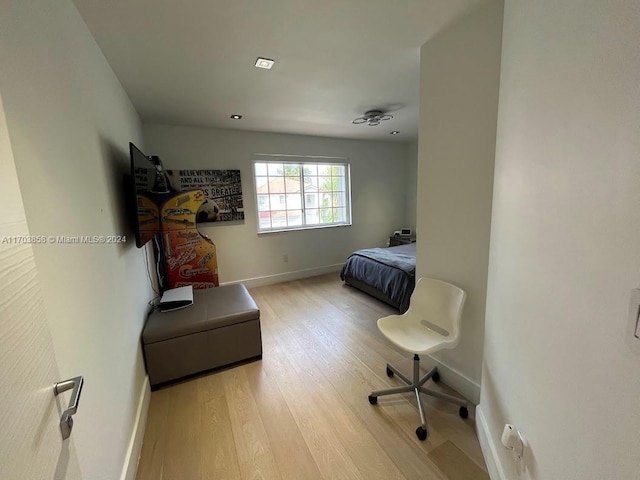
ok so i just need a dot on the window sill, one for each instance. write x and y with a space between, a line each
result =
297 229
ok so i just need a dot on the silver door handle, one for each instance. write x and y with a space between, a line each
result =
66 422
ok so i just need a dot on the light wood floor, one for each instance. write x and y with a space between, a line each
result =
302 411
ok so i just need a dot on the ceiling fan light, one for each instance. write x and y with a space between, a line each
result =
372 118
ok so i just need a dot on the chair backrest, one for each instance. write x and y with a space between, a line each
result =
438 303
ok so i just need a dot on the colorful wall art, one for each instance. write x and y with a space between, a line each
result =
222 189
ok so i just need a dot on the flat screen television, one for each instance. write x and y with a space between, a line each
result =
148 182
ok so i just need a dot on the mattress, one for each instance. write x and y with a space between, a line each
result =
385 273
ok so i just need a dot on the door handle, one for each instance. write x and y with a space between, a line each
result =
66 420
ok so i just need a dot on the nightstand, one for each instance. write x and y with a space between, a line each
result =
396 240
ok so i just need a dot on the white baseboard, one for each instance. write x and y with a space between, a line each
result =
496 472
458 381
287 276
135 443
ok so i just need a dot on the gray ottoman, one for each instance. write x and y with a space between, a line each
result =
221 327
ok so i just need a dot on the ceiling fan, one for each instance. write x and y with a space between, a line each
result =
372 118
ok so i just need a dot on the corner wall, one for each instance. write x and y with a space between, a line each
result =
412 186
460 70
70 122
378 185
565 243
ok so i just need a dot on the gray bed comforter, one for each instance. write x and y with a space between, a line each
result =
391 271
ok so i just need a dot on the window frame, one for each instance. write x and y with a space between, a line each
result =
301 161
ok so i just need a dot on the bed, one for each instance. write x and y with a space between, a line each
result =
385 273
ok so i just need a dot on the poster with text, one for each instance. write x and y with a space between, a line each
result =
222 188
190 256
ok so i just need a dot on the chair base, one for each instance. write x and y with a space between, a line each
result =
416 385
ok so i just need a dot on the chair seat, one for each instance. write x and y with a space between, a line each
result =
413 336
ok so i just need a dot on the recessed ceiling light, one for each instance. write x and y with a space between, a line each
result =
264 63
235 116
395 132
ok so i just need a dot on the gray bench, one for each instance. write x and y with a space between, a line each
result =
220 328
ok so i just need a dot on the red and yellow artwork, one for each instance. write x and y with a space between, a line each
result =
190 256
148 218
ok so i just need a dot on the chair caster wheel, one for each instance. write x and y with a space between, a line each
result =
435 377
373 399
421 433
464 413
389 372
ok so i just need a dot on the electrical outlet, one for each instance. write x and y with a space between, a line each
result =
512 440
285 257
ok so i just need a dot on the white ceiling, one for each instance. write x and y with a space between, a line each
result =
191 62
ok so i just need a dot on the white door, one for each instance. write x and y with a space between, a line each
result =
31 445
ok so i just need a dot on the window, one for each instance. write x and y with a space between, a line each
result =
301 192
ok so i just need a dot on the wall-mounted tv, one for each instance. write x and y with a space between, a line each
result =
148 180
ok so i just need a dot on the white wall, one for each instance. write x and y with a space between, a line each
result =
69 122
460 70
565 242
378 184
411 197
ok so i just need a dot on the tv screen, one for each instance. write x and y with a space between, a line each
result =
148 180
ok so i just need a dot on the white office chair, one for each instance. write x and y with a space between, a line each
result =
432 323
